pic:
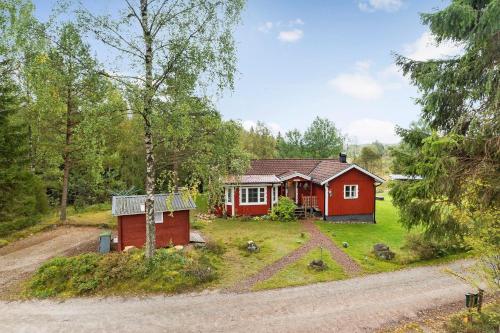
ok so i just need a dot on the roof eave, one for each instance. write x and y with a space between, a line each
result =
354 166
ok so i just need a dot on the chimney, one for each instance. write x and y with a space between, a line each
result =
342 158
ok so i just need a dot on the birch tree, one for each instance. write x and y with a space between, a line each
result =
156 39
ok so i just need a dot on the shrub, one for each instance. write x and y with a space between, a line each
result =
487 321
215 247
425 249
422 247
93 273
284 210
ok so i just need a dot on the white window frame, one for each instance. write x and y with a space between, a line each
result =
356 191
229 196
274 194
259 188
157 214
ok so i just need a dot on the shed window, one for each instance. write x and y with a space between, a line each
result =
252 195
350 191
229 195
158 217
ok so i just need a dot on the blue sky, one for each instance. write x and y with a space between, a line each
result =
298 59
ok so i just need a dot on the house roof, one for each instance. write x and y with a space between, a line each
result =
133 204
405 177
318 170
252 179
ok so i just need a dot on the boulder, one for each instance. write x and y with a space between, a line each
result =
178 247
252 247
317 264
382 251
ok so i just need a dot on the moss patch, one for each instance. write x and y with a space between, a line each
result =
169 271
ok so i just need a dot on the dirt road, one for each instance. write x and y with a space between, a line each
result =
362 304
19 259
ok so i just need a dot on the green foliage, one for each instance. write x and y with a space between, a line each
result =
487 321
215 247
321 140
424 249
370 157
456 147
259 142
23 194
284 210
92 273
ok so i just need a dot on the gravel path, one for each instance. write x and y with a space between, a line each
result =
20 258
317 239
361 304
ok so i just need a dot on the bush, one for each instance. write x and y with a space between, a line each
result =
215 247
486 322
284 210
93 273
423 248
7 228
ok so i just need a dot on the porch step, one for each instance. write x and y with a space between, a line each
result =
300 213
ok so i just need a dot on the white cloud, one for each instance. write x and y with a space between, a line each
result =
385 5
297 21
367 130
265 27
291 36
358 85
363 65
426 48
269 25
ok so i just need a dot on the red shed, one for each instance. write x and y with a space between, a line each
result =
172 219
337 190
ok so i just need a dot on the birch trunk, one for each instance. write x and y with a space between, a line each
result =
148 134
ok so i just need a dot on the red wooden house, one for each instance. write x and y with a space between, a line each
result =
337 190
171 219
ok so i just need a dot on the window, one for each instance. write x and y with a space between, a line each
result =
252 195
350 191
158 217
275 194
229 196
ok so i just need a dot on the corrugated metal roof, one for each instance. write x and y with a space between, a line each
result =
252 179
131 204
405 177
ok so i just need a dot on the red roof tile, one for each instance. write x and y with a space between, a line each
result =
318 169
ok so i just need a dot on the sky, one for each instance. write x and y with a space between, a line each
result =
298 59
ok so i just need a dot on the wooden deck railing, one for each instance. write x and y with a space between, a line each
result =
310 201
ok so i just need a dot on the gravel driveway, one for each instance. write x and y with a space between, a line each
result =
20 258
361 304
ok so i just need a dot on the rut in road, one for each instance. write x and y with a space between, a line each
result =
317 239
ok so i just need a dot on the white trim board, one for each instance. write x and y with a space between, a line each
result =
354 166
295 174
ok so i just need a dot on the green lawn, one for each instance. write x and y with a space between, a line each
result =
298 273
275 239
387 230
